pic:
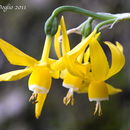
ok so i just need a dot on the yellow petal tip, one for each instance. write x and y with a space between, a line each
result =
62 17
37 116
119 90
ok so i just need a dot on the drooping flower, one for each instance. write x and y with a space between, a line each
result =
94 70
41 74
100 70
70 80
98 90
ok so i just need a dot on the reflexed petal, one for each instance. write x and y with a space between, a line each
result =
112 90
40 102
70 67
73 54
98 59
57 43
86 56
118 59
78 49
120 47
65 40
15 75
46 49
76 68
15 56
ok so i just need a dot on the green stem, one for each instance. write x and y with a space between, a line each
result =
104 23
52 24
79 10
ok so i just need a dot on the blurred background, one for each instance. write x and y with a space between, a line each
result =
23 28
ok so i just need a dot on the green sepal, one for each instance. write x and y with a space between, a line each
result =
86 28
51 26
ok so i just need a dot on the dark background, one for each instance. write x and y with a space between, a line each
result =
24 29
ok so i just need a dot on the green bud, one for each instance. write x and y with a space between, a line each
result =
86 28
51 26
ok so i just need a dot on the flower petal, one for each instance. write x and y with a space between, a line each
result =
87 55
65 40
38 106
40 80
80 57
51 61
71 81
120 47
76 68
98 59
74 53
84 87
58 65
75 83
78 49
112 90
118 59
15 75
15 56
97 91
55 74
63 73
57 43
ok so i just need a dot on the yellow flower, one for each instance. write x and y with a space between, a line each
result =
70 80
94 70
100 70
40 78
98 90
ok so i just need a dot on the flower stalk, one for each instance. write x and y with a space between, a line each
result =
51 24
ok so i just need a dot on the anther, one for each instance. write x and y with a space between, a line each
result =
69 98
33 98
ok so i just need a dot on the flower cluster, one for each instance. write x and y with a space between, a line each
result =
83 69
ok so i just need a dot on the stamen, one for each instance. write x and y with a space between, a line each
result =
33 98
69 97
98 108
